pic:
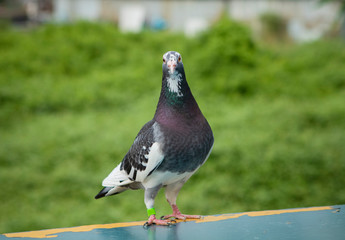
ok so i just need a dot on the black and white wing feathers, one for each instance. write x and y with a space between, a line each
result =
144 156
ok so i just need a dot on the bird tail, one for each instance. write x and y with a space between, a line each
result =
116 182
108 191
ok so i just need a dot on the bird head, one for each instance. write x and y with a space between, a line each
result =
172 63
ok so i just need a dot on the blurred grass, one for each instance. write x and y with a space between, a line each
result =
73 97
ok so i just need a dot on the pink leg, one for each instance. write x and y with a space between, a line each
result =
153 220
177 214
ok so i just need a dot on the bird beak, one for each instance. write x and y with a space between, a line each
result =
171 65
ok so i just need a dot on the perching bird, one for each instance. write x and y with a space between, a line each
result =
169 149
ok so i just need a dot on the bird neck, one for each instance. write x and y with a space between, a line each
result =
175 90
176 99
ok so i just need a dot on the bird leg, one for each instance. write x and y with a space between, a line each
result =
177 214
171 193
150 194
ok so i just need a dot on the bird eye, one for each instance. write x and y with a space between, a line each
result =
179 58
163 60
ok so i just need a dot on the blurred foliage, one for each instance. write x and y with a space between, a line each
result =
73 97
274 27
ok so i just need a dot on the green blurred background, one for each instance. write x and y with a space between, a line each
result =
74 96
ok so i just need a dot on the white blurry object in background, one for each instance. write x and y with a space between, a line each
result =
301 33
193 26
131 18
65 10
87 9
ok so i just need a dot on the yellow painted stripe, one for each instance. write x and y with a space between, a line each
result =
51 233
47 233
260 213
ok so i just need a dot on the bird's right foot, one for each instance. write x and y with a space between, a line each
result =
153 220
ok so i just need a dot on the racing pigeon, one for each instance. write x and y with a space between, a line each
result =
169 149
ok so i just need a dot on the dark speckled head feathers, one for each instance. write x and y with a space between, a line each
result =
172 61
174 78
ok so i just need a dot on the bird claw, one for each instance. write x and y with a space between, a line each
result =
167 217
169 224
146 225
172 223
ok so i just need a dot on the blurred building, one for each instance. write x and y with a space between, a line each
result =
306 19
23 11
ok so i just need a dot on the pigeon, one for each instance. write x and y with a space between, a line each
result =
168 150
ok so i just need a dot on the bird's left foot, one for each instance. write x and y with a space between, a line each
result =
178 215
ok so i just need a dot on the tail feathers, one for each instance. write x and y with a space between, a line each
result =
117 177
108 191
116 182
103 192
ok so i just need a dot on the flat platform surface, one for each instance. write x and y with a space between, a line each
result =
301 223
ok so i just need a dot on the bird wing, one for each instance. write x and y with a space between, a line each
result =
144 156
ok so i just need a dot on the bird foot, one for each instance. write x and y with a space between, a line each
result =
180 216
153 220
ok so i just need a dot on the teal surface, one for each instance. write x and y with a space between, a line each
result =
320 224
